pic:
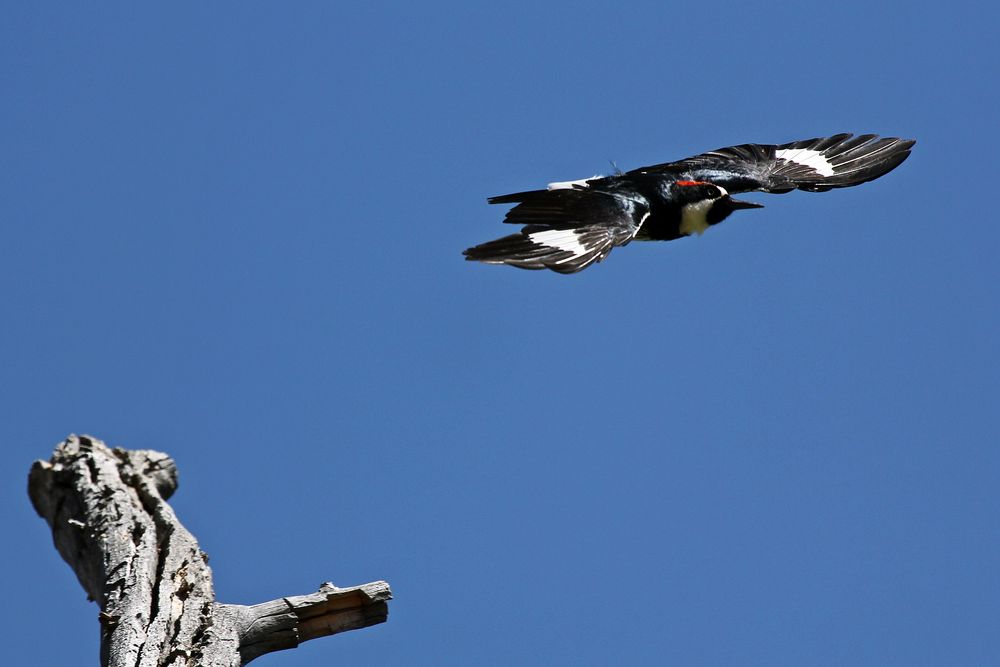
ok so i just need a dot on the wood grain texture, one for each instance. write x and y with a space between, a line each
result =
111 523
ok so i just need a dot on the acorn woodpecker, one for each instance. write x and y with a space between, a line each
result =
572 224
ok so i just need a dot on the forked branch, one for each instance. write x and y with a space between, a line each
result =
111 523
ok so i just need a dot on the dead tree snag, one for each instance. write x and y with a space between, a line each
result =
111 523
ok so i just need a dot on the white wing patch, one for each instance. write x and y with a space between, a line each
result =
569 185
807 158
563 239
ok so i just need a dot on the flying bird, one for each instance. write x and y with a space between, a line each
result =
573 224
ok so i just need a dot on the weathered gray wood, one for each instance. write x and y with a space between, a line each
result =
110 521
285 623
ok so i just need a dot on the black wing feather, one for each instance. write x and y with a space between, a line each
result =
565 230
814 165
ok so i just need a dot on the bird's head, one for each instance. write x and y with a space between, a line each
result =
704 204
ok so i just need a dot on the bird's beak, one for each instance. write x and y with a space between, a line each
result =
737 204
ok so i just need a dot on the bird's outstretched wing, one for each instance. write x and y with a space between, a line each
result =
566 230
814 165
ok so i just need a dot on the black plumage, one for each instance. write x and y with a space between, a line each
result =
571 225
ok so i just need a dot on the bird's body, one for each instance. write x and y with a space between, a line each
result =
573 224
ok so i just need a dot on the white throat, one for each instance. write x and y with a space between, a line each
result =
694 216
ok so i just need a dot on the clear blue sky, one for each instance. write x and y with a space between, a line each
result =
232 232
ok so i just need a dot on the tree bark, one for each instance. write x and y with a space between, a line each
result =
110 521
